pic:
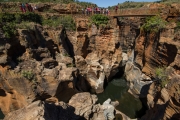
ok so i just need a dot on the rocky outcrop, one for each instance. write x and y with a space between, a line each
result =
159 49
138 82
101 54
108 109
36 69
44 111
164 103
3 52
129 29
31 80
85 105
80 107
102 42
166 11
10 98
93 72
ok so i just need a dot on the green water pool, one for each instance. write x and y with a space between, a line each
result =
128 104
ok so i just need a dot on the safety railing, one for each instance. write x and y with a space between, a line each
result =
119 12
133 11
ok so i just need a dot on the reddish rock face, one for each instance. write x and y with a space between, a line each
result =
10 98
160 49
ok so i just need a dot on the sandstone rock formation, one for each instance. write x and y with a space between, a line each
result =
44 111
139 82
101 55
93 72
103 43
108 109
35 69
156 51
52 65
85 105
164 103
81 106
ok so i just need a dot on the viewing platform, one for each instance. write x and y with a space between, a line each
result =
134 12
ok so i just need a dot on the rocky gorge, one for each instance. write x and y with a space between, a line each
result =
51 73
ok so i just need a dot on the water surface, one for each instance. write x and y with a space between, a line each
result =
128 104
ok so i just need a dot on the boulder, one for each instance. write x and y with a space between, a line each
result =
92 71
39 110
108 109
85 105
139 82
66 74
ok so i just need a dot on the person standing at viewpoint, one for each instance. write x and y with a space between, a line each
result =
23 7
116 8
20 6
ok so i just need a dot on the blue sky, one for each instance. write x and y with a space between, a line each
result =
106 3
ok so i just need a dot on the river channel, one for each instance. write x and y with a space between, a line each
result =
128 104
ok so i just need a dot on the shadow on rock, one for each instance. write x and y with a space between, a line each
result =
44 111
53 112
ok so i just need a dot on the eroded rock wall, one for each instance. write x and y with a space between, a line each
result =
97 54
38 66
164 103
53 64
157 49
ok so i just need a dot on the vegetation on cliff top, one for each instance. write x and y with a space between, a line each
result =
10 22
170 1
99 20
130 4
153 24
66 20
81 3
162 75
86 4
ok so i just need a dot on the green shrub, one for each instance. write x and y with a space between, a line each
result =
9 29
85 4
28 74
161 76
160 72
19 17
129 4
154 24
66 21
31 17
9 21
25 25
99 19
70 65
6 17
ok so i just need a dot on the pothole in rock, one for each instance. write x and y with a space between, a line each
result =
117 90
